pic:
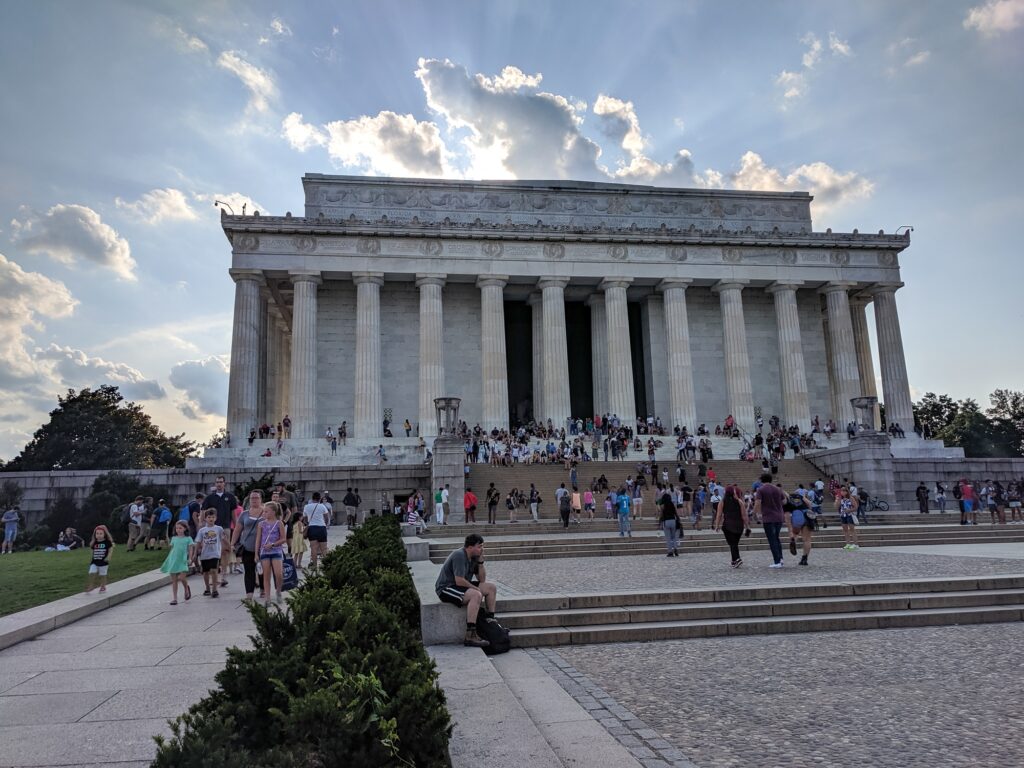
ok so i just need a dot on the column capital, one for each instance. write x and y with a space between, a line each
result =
552 282
431 278
247 274
877 288
784 285
729 285
536 300
675 282
305 276
861 300
485 281
375 278
615 282
838 285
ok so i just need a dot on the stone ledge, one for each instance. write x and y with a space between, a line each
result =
41 619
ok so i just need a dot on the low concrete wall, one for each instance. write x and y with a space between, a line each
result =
41 489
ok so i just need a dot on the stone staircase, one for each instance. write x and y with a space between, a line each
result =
535 544
548 620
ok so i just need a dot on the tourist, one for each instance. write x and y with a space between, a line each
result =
493 496
588 503
11 519
576 500
847 505
408 428
318 516
732 520
351 513
381 454
534 503
286 423
224 503
445 505
970 502
439 506
176 563
940 497
343 433
510 504
800 521
243 540
102 546
469 502
922 498
135 533
998 499
1014 491
697 506
669 522
209 545
622 503
638 501
159 521
455 585
768 503
270 539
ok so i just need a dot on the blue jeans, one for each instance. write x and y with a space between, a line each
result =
771 532
671 536
624 525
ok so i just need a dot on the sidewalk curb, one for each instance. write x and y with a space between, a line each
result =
33 622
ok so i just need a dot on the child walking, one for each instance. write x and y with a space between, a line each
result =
209 544
177 560
299 545
270 539
101 545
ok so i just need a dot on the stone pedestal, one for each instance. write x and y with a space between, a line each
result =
448 468
867 461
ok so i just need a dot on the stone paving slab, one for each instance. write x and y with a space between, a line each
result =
51 708
107 743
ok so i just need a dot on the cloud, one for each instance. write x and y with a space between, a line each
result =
837 46
829 186
73 233
205 384
234 199
75 369
279 28
260 82
906 56
793 84
301 135
917 59
995 17
160 205
813 52
26 299
184 40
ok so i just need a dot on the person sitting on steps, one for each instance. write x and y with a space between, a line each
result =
455 584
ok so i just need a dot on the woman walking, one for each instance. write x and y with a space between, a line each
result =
669 522
732 520
270 539
800 520
638 501
243 540
847 507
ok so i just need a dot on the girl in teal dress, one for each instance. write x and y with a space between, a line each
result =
176 564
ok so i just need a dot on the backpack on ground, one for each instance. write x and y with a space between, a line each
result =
490 630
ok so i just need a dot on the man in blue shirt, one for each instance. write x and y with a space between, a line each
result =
622 502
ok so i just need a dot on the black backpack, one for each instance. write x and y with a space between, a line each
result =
490 630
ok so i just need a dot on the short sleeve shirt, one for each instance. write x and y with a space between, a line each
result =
457 564
224 504
208 539
772 499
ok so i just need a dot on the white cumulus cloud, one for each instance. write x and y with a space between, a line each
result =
205 386
72 234
828 185
302 135
234 199
259 82
75 369
837 46
793 84
995 16
813 52
160 205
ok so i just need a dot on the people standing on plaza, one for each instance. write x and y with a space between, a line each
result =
1014 491
223 503
922 498
493 497
768 505
445 503
318 517
270 540
439 505
669 521
243 540
940 497
176 563
970 498
135 514
846 506
343 433
469 503
623 503
732 520
209 544
298 546
102 546
11 519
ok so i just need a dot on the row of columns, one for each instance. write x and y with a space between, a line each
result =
851 371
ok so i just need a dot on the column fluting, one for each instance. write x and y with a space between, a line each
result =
737 361
369 411
621 398
243 379
272 372
899 407
303 410
682 403
557 405
431 349
599 352
494 364
796 408
843 349
536 303
865 363
285 374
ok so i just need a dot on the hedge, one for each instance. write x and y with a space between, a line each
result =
340 678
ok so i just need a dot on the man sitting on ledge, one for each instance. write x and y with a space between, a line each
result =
463 581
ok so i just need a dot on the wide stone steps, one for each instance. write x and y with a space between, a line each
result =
678 614
648 542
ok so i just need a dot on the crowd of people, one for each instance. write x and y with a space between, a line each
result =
1001 502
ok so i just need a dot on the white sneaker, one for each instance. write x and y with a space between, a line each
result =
775 565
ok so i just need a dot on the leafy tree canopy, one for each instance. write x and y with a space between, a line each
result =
98 429
996 432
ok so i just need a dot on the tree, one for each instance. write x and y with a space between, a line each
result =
1007 414
936 411
97 429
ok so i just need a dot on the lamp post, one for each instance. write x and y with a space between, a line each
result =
447 415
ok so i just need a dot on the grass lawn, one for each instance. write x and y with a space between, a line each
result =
28 579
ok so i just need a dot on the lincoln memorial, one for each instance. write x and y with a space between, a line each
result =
545 299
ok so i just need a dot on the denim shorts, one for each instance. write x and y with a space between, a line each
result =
272 556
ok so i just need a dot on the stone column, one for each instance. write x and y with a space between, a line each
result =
796 408
431 349
621 401
865 363
369 411
599 351
682 403
895 383
285 374
844 351
243 380
557 405
737 361
494 364
304 358
272 390
654 344
536 303
833 396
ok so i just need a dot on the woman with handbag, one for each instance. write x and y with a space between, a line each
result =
732 520
243 540
801 520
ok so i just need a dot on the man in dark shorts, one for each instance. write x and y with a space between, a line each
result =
455 584
223 503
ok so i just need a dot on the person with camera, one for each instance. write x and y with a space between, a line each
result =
732 520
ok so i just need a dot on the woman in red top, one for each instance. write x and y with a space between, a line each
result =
469 502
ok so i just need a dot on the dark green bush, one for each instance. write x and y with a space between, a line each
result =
340 679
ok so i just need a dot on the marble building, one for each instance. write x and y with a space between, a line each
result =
544 299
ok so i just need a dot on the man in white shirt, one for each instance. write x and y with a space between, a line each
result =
445 508
135 515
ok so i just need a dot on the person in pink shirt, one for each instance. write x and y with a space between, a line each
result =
588 503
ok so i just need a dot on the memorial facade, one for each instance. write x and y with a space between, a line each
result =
549 299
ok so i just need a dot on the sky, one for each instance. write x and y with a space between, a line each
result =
123 122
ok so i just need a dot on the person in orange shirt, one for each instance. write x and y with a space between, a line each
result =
469 502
